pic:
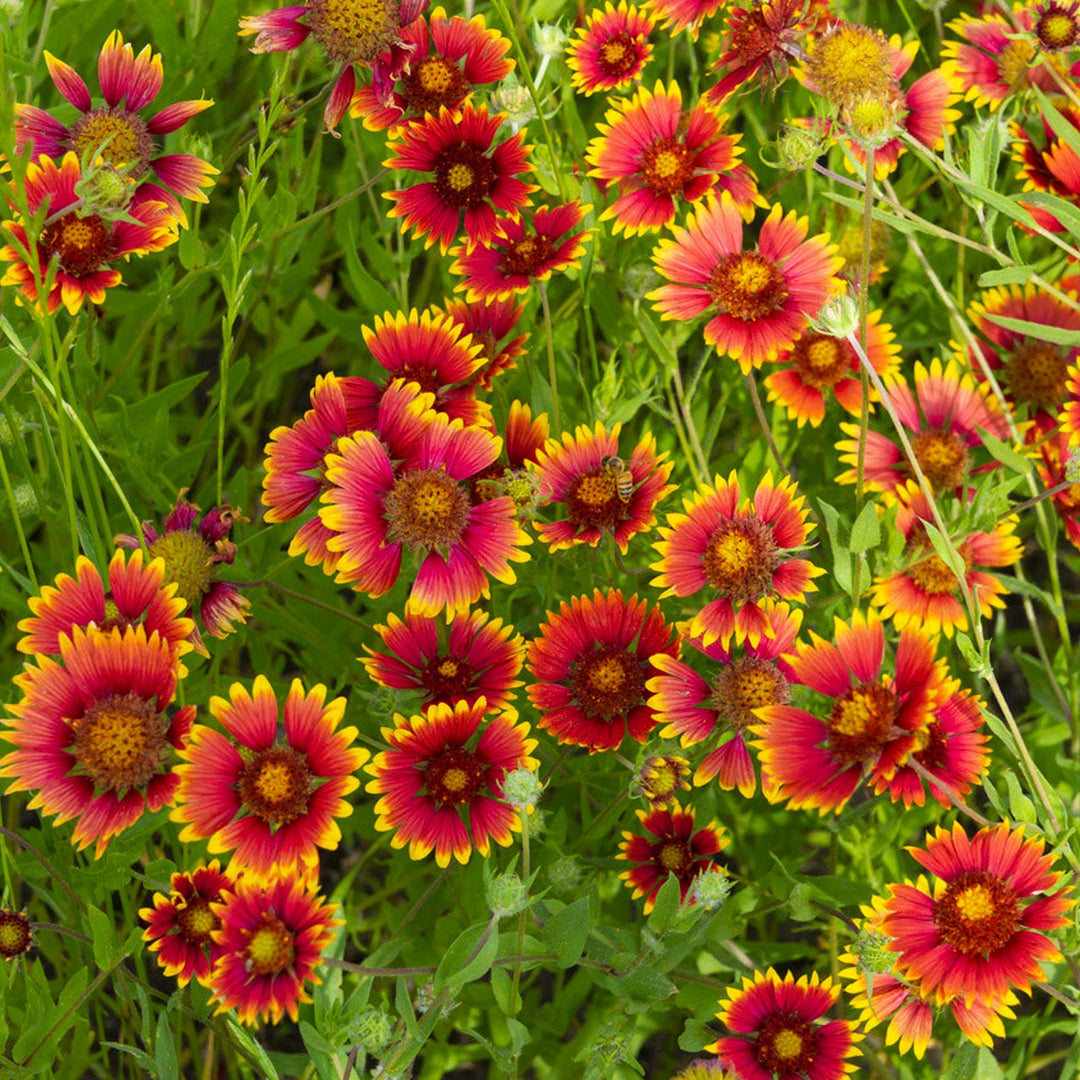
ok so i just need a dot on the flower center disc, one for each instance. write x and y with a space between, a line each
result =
861 722
1038 374
527 255
275 785
270 948
82 243
942 456
667 167
747 684
850 63
674 856
426 509
454 777
747 286
187 562
120 743
446 678
196 921
821 361
977 914
354 30
786 1045
15 934
592 500
608 682
1057 28
1015 62
463 176
933 576
432 82
740 558
616 56
117 136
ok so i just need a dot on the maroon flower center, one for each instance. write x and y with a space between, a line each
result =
674 856
275 785
608 682
426 508
196 921
120 742
16 934
785 1044
1058 27
1037 375
942 456
446 679
463 176
740 559
747 286
592 500
934 747
932 575
667 167
82 244
354 30
861 722
753 39
271 947
821 361
116 135
526 256
977 914
662 777
454 777
432 82
747 684
113 620
617 56
188 561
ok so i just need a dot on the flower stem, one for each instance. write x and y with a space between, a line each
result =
553 375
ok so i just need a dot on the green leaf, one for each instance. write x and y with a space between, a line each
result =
664 912
168 1068
459 966
1003 452
403 1004
947 553
251 1048
1058 335
642 984
1021 808
1010 275
565 932
973 1062
695 1036
866 532
104 934
502 989
841 555
802 910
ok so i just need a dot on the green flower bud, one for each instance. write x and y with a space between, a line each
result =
521 789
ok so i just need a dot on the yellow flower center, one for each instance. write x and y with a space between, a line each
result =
120 742
120 138
81 244
276 784
271 947
608 682
527 255
978 913
667 166
434 81
1037 375
821 361
747 286
787 1044
196 921
454 776
1015 62
354 30
674 856
849 62
463 176
460 176
942 456
744 685
426 509
740 558
187 562
1057 28
16 934
861 722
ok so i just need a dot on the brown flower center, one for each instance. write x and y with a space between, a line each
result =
1058 27
931 573
849 63
674 856
1037 374
747 286
786 1044
463 176
740 558
275 785
608 682
942 456
432 82
977 914
861 722
271 947
16 934
592 500
120 742
187 562
446 679
454 777
747 684
616 56
821 361
667 166
426 508
117 136
82 244
1015 62
113 620
196 921
527 256
354 30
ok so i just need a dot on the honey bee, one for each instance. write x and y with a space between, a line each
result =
621 475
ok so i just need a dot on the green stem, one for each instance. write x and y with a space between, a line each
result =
553 376
864 320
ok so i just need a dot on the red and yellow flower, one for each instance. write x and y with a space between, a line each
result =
663 158
16 934
661 778
441 780
490 325
759 301
677 15
673 846
271 786
981 931
875 720
92 735
778 1031
470 178
611 49
739 553
592 661
271 940
1054 470
180 925
81 248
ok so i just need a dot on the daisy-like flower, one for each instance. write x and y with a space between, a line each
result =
180 925
16 934
721 709
448 59
848 63
114 131
981 931
490 326
875 720
137 595
703 1069
475 657
1032 372
441 780
677 15
819 363
611 50
591 662
926 593
84 247
516 257
661 778
672 846
271 940
1053 465
943 415
778 1031
369 33
739 553
470 178
377 512
1048 163
194 546
662 158
1057 25
764 35
270 788
523 438
586 477
758 301
92 736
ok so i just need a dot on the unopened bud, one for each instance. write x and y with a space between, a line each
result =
872 121
710 890
506 895
373 1029
104 191
521 789
838 317
564 874
550 39
797 148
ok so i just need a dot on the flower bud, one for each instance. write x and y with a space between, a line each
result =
710 890
564 874
373 1029
515 100
550 40
506 895
838 317
104 191
521 789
